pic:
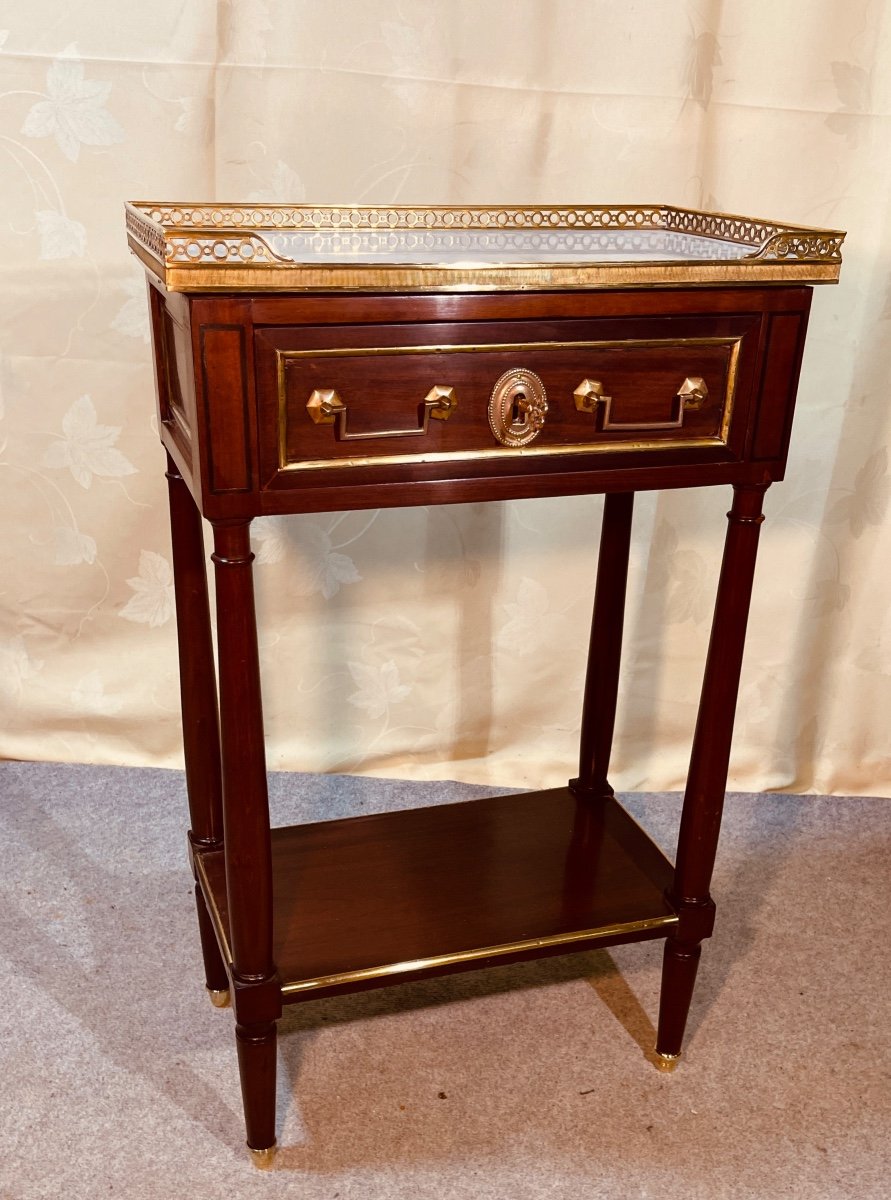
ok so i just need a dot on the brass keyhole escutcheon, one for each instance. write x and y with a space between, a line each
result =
518 407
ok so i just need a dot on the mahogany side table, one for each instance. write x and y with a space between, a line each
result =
318 359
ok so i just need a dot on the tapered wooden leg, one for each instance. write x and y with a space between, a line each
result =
198 696
707 779
214 967
247 845
256 1066
604 653
679 964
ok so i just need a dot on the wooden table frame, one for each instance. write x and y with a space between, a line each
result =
252 934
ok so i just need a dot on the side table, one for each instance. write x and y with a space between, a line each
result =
313 359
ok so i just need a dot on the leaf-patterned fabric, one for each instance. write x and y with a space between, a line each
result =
444 641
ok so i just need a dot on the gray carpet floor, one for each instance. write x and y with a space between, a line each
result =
119 1078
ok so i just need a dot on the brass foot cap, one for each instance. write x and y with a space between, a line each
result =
666 1062
219 999
262 1159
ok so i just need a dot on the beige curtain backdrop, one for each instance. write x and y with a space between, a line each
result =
442 642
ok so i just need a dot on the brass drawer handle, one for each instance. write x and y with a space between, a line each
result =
325 407
692 393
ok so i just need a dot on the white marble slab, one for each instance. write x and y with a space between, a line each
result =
484 247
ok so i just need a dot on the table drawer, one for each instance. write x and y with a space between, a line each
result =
372 397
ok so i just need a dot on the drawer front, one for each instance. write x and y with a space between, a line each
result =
363 398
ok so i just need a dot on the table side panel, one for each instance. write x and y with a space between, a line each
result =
784 348
174 376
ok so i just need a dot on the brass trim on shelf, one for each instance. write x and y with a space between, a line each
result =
221 247
461 956
282 357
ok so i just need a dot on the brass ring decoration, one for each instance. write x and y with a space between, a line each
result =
518 407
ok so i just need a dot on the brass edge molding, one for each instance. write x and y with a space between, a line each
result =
301 986
358 277
282 357
730 394
651 343
214 912
623 447
282 414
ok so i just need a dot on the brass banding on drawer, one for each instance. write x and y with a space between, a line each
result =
663 393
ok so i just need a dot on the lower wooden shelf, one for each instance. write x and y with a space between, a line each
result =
394 896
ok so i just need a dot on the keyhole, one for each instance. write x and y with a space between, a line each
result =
518 414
